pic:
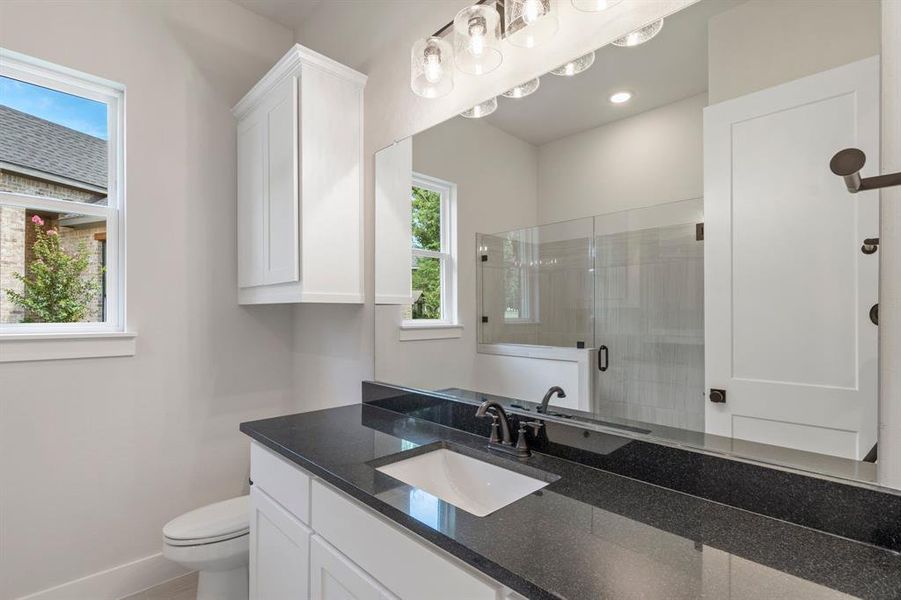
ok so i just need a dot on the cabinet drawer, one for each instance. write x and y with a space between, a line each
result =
284 481
409 568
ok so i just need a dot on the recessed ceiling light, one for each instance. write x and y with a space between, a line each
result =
620 97
640 36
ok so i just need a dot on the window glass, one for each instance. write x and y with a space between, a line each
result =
426 219
426 275
53 267
58 201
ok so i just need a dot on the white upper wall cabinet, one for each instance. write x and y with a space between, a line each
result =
300 183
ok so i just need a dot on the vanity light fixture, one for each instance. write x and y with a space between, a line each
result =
620 97
594 5
529 23
639 36
483 109
523 89
476 39
431 68
575 66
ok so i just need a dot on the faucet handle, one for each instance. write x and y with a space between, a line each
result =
495 426
535 425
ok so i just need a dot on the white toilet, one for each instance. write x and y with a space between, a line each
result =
213 540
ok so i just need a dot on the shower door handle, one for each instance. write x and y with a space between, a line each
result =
603 358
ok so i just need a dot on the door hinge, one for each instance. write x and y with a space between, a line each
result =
699 232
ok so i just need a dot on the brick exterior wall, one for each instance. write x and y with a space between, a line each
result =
21 184
12 259
17 238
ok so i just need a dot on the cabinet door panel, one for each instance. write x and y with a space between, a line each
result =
334 577
279 552
282 207
250 201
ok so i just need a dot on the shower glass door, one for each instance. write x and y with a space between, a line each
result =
649 315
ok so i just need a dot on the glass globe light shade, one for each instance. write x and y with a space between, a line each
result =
529 23
431 68
523 89
483 109
594 5
639 36
477 39
575 66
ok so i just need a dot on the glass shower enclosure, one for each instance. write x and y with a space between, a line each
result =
628 286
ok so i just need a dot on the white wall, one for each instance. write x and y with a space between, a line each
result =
96 455
645 160
890 255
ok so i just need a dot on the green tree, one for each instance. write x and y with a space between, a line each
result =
55 288
427 236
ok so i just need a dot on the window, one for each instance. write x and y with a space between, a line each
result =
434 269
61 200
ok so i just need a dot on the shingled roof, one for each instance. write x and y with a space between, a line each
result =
39 145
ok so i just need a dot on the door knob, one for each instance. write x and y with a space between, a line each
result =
717 396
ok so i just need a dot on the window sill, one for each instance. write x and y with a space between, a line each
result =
411 332
28 347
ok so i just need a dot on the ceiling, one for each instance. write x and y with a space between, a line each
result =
354 31
670 67
290 13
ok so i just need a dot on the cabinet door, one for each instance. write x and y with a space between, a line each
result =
282 202
251 158
334 577
279 551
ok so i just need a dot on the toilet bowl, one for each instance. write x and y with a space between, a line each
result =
213 540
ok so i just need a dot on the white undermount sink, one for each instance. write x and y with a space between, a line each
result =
468 483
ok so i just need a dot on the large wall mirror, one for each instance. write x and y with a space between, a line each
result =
654 229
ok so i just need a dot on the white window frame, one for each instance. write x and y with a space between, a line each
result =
447 255
38 72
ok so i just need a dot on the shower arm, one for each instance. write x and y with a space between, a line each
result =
847 164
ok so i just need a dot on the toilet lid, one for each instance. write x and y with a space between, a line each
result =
221 520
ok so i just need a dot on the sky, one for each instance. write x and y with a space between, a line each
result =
80 114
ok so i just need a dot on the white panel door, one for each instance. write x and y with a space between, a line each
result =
282 202
279 551
787 289
334 577
393 213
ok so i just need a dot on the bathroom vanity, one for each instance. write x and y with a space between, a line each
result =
327 520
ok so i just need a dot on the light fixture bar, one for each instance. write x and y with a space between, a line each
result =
498 4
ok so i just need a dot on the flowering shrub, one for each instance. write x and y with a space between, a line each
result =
55 288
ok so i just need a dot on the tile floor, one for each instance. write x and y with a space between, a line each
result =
181 588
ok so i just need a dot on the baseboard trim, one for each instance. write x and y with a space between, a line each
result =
117 582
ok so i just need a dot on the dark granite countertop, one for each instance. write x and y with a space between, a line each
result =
589 534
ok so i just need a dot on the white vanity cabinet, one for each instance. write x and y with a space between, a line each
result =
280 551
309 540
300 183
334 577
